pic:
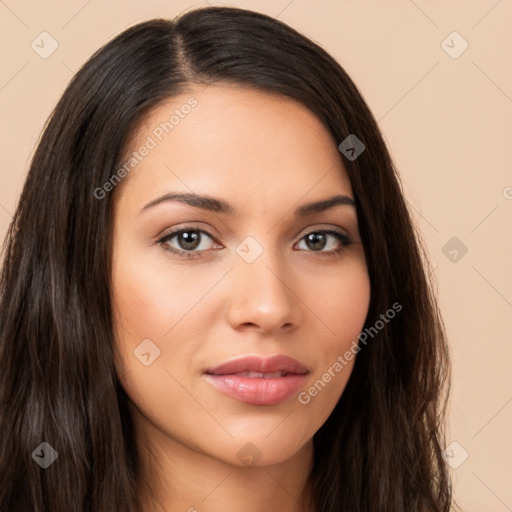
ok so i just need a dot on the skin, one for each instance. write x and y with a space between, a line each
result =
266 155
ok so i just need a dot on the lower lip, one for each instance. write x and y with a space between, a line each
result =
257 391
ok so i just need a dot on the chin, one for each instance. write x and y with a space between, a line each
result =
262 451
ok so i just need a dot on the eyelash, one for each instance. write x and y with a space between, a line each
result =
342 237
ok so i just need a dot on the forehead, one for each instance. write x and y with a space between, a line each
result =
225 139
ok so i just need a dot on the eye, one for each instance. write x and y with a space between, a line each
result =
317 240
189 242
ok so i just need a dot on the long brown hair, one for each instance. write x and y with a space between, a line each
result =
380 449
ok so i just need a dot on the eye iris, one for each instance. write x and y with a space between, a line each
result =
315 238
189 240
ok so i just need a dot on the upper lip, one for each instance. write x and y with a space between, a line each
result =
259 364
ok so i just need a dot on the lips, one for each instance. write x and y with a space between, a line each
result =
274 364
258 381
254 375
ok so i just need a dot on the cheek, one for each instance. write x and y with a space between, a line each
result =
140 302
143 309
160 302
151 297
341 302
151 325
350 305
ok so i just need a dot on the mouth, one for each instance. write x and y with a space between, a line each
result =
258 381
260 375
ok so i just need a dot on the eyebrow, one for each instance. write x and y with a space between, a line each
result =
213 204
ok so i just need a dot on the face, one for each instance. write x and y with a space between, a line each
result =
231 311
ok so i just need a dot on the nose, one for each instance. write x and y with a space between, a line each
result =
261 296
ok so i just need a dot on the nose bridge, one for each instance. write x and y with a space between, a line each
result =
261 293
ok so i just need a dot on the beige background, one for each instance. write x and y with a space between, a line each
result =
448 122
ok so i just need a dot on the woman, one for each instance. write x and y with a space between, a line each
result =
213 296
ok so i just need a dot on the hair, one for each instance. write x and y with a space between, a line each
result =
380 449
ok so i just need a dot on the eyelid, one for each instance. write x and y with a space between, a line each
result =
188 227
324 227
